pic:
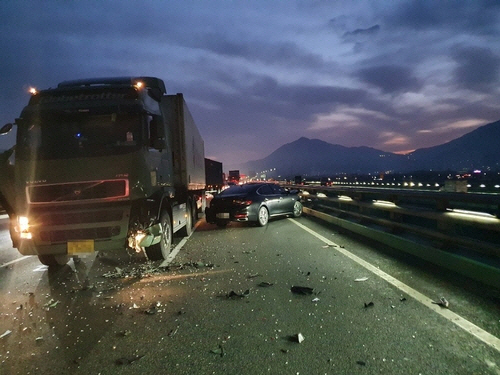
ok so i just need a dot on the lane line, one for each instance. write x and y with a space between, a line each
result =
178 248
463 323
14 261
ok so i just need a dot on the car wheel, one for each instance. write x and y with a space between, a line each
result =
54 260
263 216
297 209
161 250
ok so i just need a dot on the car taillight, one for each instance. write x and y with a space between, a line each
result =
243 202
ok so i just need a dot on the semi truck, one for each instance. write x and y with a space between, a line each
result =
214 175
105 164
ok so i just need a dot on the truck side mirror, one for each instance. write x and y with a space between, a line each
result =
6 128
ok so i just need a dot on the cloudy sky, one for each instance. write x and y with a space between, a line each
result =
393 75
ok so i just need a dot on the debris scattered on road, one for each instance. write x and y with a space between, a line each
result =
361 363
152 309
303 290
403 299
315 299
251 276
173 331
218 351
232 294
442 302
361 279
5 334
39 339
125 333
298 338
128 360
369 304
265 284
52 303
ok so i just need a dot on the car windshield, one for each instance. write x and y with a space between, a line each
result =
61 135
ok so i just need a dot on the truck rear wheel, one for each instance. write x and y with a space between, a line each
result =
161 250
53 260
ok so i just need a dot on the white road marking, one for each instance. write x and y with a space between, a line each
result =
176 249
463 323
13 261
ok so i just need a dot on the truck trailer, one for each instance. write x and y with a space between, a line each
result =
105 164
214 175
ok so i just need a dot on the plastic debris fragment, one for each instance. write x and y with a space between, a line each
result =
315 299
303 290
233 294
442 302
369 304
5 334
128 360
361 279
265 284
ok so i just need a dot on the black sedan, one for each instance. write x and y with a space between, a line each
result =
256 202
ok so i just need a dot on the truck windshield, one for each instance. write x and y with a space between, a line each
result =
63 135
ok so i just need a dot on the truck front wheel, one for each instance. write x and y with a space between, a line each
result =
53 260
161 250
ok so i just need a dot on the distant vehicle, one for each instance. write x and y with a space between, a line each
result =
234 176
213 175
255 202
298 180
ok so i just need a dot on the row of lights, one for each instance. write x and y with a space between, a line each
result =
406 184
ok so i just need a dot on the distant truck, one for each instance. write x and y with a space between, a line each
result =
105 164
214 175
234 177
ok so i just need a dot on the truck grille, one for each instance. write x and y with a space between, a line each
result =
56 218
79 234
77 191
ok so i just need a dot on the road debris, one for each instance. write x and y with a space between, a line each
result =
153 309
303 290
51 304
218 351
265 284
125 333
369 304
251 276
298 338
128 360
442 302
361 279
315 299
233 295
5 334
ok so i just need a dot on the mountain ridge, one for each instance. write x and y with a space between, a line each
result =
477 149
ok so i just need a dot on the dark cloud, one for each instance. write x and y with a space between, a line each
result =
474 16
369 31
390 78
478 68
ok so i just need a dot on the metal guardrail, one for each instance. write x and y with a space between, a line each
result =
459 231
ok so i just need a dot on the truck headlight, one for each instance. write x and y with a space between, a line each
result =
24 228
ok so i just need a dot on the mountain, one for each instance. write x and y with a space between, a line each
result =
478 149
312 157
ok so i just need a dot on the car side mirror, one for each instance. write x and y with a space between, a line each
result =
6 128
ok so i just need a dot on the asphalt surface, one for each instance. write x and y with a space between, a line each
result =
224 305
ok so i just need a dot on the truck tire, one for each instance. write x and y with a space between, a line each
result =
188 229
53 260
161 250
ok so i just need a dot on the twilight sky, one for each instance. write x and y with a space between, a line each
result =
393 75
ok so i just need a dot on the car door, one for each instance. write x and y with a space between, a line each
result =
270 198
286 201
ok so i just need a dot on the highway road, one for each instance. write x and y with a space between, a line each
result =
224 304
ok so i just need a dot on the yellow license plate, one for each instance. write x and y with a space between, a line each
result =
80 247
